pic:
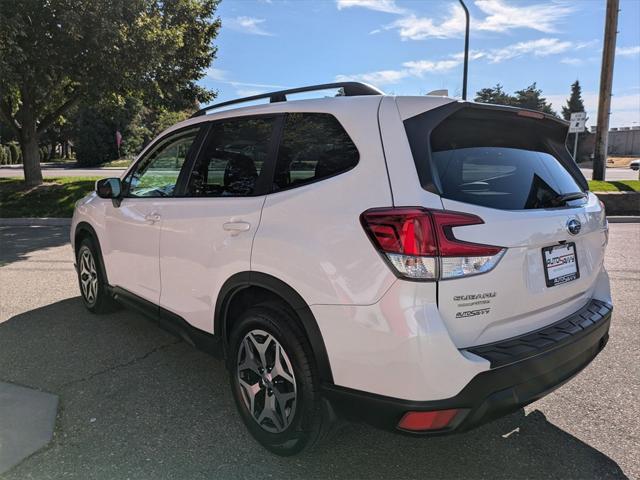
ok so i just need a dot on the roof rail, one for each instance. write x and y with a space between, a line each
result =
350 89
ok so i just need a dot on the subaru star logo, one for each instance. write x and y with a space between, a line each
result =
574 226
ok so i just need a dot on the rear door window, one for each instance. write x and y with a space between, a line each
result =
232 159
314 146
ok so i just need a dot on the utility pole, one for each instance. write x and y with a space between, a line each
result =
466 52
606 81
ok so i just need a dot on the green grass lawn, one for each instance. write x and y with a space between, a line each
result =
121 163
54 198
615 186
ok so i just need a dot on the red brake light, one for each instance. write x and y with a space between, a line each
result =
420 244
421 421
449 246
407 231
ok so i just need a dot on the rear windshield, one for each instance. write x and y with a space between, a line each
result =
501 161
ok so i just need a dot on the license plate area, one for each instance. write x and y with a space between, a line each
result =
560 264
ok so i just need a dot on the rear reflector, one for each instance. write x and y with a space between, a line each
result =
422 421
419 243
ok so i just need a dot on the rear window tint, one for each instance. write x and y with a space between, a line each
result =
504 178
500 161
314 146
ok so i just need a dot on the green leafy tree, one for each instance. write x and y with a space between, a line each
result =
57 54
495 95
574 102
531 98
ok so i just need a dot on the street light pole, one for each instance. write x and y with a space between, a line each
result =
606 81
466 52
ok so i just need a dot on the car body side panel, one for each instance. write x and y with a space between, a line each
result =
198 254
310 237
403 176
398 347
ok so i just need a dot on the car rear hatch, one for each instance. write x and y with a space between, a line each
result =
509 168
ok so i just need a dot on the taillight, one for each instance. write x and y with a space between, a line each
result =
420 244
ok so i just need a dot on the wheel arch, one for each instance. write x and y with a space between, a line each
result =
246 288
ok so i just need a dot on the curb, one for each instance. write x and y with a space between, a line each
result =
624 219
35 222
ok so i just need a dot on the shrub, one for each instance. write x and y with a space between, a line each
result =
15 153
2 155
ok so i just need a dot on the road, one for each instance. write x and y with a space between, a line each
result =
137 403
613 174
67 171
61 170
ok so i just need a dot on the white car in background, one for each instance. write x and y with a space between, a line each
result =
419 263
635 165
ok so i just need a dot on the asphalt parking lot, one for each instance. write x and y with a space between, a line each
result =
136 402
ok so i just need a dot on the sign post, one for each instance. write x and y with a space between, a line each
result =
577 123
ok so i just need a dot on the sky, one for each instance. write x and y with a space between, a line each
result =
411 47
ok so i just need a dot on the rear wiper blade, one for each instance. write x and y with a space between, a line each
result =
567 197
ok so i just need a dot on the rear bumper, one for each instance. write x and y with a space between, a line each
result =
523 369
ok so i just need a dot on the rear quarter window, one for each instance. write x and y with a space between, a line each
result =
314 146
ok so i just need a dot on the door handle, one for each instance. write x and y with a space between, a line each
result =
152 217
236 227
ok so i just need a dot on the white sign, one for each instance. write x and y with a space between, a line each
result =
577 122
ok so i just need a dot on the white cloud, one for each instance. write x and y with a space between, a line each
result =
498 16
576 62
501 17
250 25
415 69
216 74
243 89
628 51
386 6
248 92
539 48
587 44
420 67
381 77
411 27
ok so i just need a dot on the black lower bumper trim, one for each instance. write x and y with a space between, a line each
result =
491 394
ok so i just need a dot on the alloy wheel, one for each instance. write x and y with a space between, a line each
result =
267 381
88 276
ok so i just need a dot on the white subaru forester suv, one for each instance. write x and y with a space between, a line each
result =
419 263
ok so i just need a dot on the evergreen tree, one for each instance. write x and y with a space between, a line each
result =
495 95
531 98
574 102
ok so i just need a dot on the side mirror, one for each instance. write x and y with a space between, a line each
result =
109 188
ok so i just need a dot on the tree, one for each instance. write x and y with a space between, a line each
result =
495 95
55 54
531 98
574 102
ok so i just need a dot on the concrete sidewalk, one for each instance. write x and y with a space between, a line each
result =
27 420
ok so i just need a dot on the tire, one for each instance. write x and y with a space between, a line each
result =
305 417
91 280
